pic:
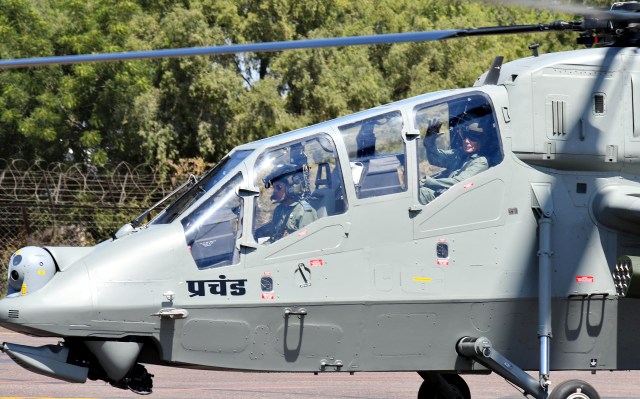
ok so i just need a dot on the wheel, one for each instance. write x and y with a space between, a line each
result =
574 389
443 386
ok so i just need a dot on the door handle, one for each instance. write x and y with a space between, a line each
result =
171 313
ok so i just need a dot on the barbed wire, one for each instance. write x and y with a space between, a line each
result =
56 204
58 183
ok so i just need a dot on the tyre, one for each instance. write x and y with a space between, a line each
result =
456 387
574 389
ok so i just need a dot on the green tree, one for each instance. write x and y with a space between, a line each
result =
70 112
157 111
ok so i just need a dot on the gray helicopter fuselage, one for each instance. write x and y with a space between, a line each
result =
383 281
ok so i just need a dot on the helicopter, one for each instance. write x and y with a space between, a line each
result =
468 231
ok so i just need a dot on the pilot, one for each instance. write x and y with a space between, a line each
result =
459 163
293 212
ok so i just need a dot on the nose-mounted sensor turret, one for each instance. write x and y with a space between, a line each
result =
30 268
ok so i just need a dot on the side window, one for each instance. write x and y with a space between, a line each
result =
376 154
213 228
458 139
299 183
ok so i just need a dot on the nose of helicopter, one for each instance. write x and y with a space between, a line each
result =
34 315
4 311
10 311
51 308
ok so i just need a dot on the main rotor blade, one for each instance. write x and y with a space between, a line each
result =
275 46
619 14
230 49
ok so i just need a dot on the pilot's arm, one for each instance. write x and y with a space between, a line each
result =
436 156
266 230
471 167
286 220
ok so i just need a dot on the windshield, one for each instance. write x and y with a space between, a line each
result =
204 184
212 229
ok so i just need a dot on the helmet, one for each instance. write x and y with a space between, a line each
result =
479 129
291 175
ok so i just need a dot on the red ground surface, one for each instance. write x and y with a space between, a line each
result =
173 383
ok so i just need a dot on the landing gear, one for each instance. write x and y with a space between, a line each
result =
574 389
443 386
138 381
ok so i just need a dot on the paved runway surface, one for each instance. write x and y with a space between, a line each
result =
172 383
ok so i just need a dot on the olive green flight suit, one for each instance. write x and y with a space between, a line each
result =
290 218
458 164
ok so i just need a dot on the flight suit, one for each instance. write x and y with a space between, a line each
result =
458 164
290 218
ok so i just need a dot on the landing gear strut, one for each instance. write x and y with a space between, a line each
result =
443 386
481 350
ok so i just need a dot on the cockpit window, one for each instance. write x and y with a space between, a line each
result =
376 154
299 183
195 191
458 139
213 228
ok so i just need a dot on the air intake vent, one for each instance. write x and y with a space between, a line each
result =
558 115
598 104
14 314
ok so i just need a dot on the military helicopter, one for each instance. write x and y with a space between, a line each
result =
477 230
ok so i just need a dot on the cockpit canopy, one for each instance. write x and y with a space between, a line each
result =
282 185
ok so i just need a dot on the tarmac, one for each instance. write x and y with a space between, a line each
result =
176 383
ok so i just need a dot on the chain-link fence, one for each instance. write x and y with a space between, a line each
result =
69 205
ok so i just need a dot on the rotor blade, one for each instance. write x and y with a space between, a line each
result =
582 10
278 46
230 49
554 6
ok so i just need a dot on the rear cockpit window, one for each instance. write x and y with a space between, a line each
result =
458 139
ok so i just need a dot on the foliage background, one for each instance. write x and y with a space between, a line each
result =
174 114
154 111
